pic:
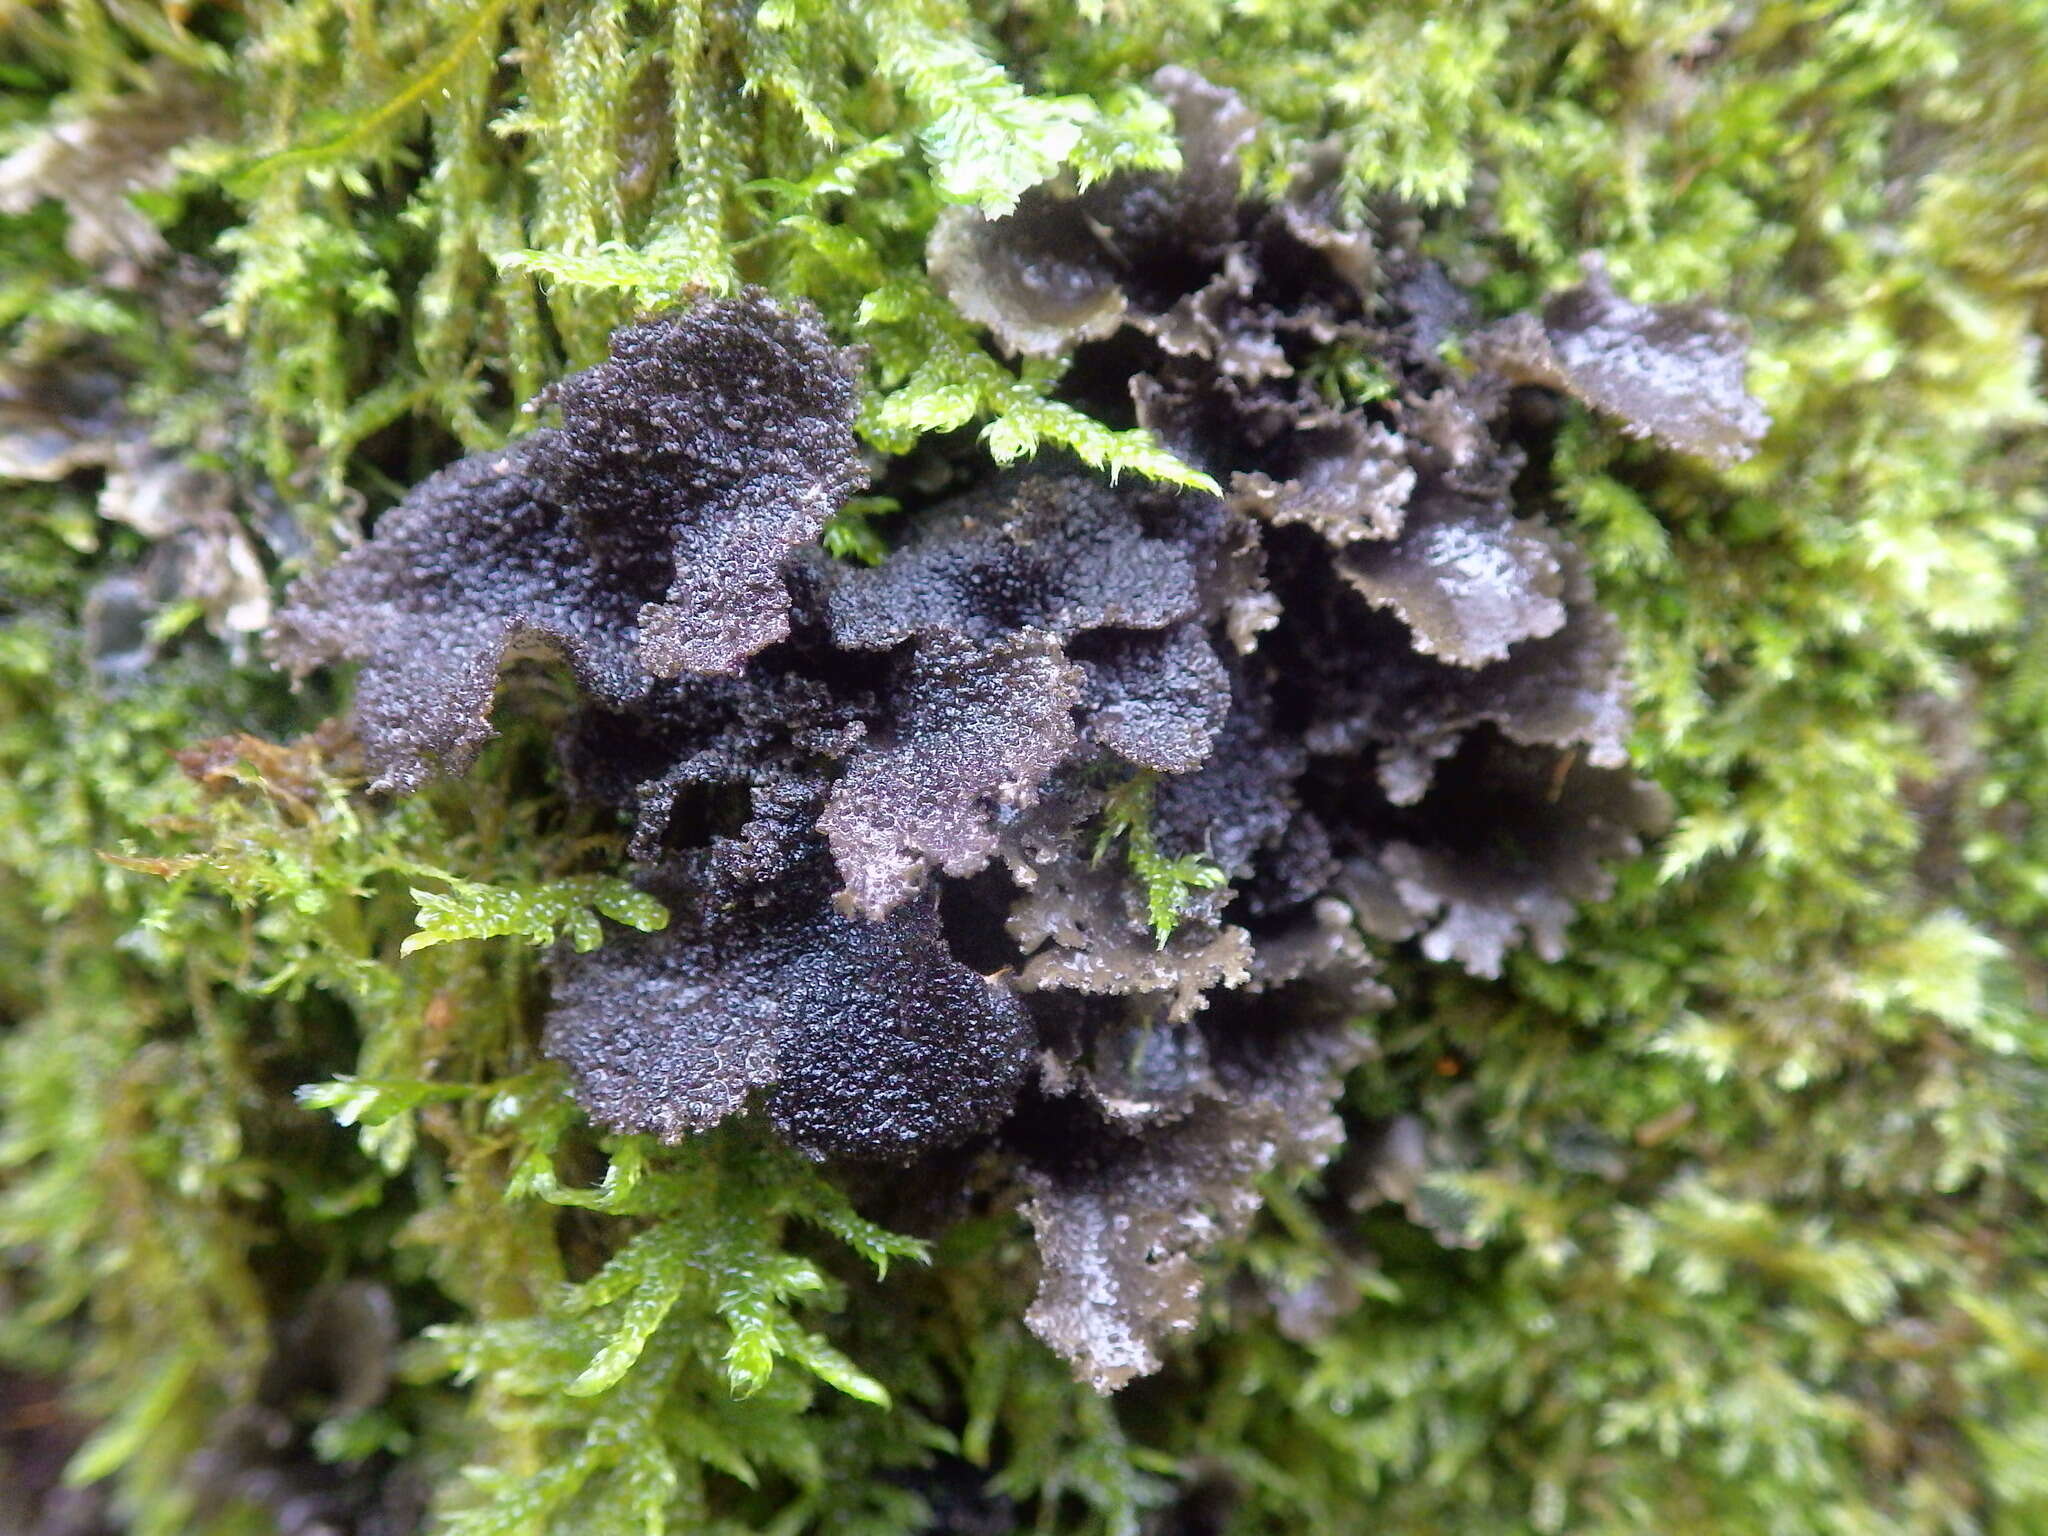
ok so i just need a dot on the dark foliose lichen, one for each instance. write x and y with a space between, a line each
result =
1060 839
644 537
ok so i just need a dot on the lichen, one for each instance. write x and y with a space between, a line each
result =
1671 371
973 733
644 537
877 1043
1365 692
94 162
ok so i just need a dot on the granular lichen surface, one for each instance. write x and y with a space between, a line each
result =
1366 691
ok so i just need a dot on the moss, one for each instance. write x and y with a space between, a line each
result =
1728 1219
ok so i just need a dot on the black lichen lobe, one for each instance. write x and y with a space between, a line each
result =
1068 832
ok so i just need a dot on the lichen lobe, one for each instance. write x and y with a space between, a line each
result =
724 436
646 536
976 731
1121 1220
478 563
875 1042
1674 372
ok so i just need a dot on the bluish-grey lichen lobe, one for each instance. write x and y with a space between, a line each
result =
974 731
477 565
1365 695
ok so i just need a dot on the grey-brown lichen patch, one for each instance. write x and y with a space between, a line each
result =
1039 294
1404 710
55 421
1083 928
721 438
67 416
1121 1217
975 731
875 1041
1469 581
1354 483
1669 371
1506 845
1069 832
93 162
695 747
1069 268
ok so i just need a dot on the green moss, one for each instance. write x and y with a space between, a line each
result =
1735 1217
1169 884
